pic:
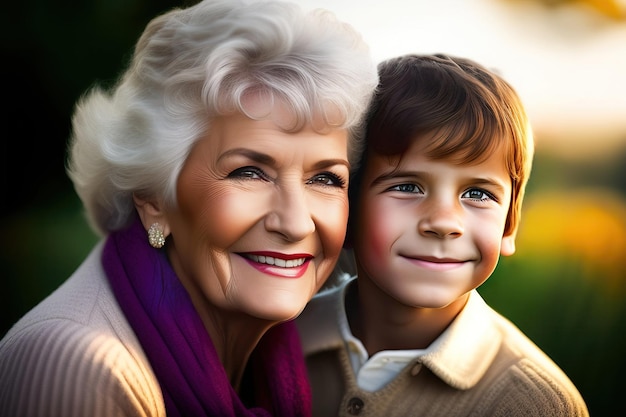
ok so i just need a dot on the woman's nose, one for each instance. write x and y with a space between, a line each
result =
442 219
290 214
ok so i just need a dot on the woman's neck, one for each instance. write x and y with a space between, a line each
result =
234 338
234 334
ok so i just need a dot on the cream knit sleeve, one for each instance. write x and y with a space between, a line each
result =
63 368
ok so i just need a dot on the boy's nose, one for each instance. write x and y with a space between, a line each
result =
441 219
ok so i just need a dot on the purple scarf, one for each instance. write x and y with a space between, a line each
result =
180 351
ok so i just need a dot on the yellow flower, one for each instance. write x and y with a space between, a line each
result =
587 227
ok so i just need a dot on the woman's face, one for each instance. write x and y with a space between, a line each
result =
261 216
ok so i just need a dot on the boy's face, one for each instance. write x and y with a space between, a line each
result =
429 231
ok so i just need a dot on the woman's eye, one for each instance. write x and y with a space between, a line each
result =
248 172
327 179
406 188
477 194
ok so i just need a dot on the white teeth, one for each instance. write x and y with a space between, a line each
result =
277 261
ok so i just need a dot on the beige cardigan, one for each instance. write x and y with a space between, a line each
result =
75 354
482 366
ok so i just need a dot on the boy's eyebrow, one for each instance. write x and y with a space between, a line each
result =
494 186
395 174
488 181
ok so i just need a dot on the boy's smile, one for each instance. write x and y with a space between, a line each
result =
429 231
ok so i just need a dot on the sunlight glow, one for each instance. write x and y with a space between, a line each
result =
568 63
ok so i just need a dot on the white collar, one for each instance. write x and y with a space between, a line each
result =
460 356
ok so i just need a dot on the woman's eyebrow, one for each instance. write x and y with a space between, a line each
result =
267 159
260 157
325 163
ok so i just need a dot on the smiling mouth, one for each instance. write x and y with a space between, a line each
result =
437 260
270 260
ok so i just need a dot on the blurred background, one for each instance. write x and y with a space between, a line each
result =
566 285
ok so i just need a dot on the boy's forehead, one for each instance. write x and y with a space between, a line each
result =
445 149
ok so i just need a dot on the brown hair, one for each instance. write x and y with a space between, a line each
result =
466 110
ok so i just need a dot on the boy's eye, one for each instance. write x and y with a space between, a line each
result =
477 194
248 172
406 188
327 179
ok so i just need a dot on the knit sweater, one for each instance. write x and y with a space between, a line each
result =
483 365
75 354
98 345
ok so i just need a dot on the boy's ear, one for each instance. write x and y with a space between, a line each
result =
507 247
150 212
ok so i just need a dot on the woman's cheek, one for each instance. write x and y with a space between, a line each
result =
223 214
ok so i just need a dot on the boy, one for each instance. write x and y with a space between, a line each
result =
434 203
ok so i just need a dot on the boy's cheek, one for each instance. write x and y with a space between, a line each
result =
375 242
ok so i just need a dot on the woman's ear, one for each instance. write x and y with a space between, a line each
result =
151 212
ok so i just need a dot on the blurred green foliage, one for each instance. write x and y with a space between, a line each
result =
571 319
565 287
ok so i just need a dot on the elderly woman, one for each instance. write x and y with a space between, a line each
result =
216 170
